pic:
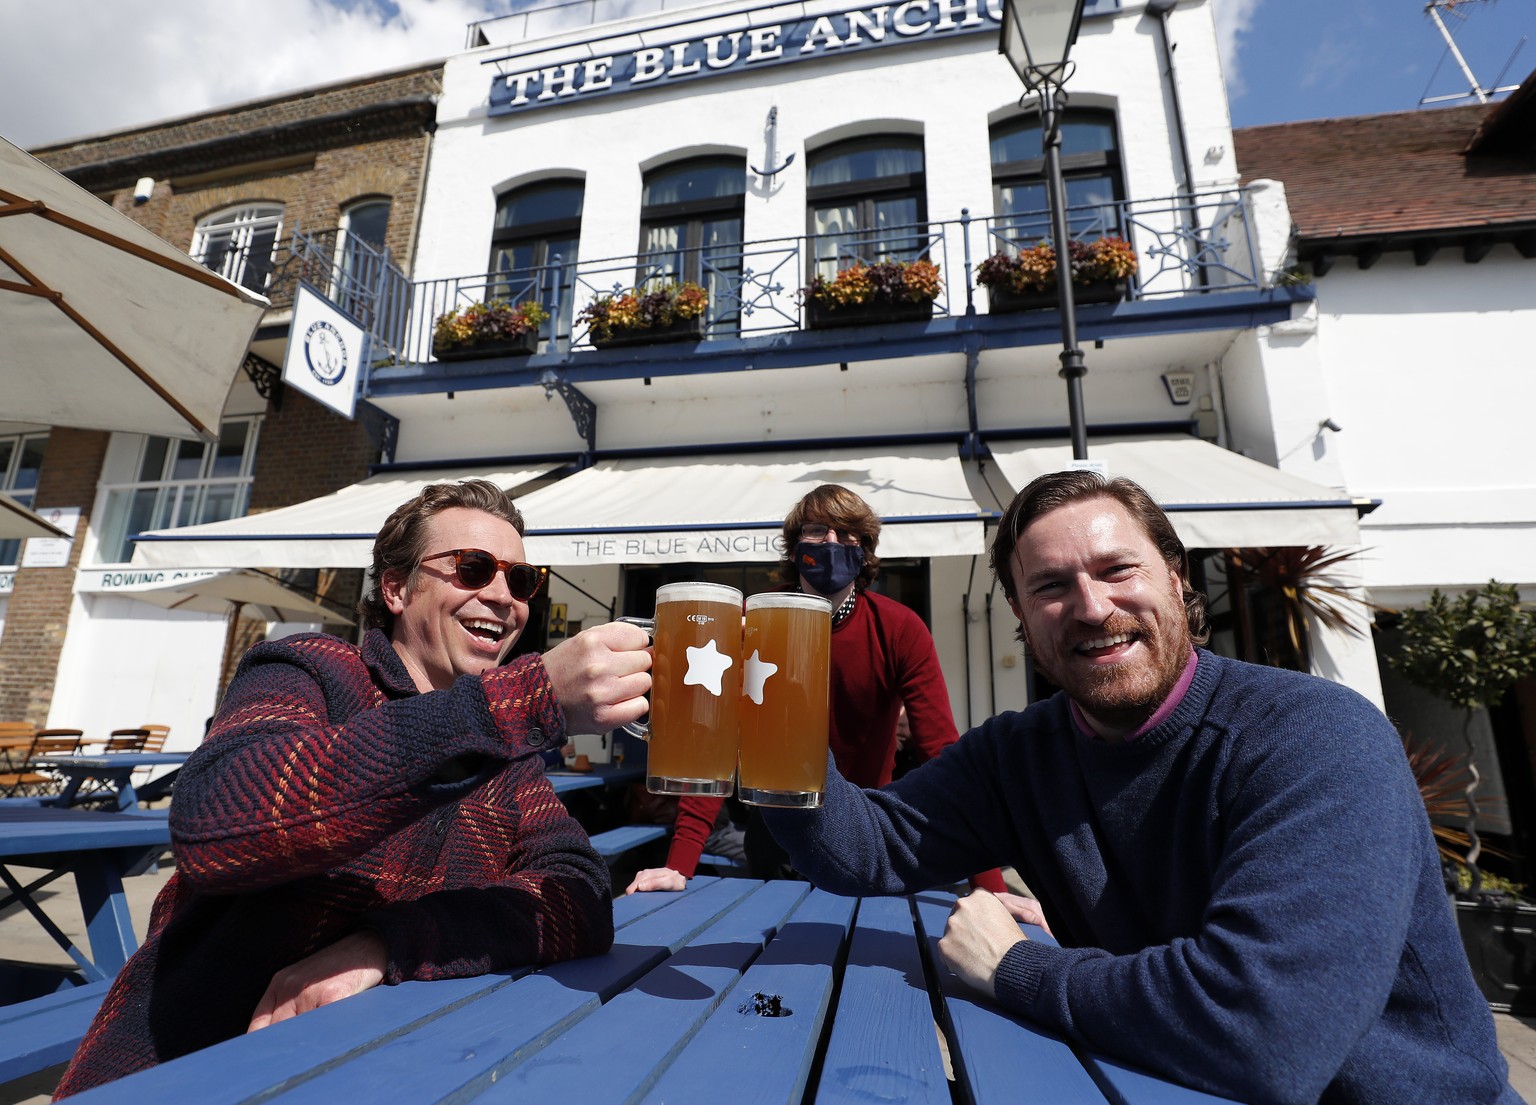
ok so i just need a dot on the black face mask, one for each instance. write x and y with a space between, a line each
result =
828 568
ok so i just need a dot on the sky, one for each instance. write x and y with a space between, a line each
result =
72 68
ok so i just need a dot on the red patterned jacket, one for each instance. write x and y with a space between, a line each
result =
330 796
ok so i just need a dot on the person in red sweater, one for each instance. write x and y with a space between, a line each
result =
883 659
370 814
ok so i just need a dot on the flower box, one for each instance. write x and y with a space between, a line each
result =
661 312
1002 300
520 346
679 329
476 331
821 316
873 294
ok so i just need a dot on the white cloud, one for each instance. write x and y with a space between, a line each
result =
1234 19
72 68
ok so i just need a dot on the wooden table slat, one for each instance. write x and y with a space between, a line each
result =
475 1044
884 1010
1129 1086
641 1030
767 1059
994 1053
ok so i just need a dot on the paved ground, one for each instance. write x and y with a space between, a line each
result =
21 939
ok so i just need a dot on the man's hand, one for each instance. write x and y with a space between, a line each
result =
1024 909
351 965
601 676
657 878
980 931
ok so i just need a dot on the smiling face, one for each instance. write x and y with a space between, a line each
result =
1102 612
441 629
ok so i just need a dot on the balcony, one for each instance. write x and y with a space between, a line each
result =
360 279
1189 247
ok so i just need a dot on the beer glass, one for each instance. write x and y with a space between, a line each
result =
695 690
782 754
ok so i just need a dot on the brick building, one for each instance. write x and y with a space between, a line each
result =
322 185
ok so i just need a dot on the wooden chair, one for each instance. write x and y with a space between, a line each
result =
46 742
126 740
15 751
155 740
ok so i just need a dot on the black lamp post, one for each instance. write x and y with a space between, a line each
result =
1036 37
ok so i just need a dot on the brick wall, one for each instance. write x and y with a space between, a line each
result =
314 152
38 613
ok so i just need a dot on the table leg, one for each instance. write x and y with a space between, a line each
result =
104 905
91 971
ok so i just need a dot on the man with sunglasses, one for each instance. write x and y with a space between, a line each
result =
378 813
883 660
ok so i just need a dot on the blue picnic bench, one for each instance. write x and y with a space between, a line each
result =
732 989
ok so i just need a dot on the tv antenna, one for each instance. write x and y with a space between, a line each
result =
1433 9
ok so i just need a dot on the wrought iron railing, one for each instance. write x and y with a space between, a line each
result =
1186 245
362 280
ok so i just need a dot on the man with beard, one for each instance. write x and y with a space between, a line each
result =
1235 858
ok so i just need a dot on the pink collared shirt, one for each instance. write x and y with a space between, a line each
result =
1170 704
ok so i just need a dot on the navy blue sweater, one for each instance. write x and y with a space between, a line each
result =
1248 898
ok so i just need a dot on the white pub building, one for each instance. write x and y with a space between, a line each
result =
799 198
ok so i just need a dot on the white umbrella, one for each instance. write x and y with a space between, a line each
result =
103 325
206 591
17 521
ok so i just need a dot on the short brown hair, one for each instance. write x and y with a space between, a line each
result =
1057 489
835 506
401 542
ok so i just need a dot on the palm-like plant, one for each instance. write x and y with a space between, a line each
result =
1298 584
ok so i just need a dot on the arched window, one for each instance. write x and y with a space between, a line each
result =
867 202
533 248
690 229
1090 167
238 243
360 258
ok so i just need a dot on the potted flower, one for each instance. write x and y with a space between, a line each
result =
493 329
887 291
1101 272
668 312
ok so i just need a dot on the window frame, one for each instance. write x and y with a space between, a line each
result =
865 193
694 214
176 499
1075 166
243 222
10 550
504 239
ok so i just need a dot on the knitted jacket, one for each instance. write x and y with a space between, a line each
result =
882 658
330 796
1248 896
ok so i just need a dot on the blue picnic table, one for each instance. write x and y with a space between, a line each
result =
111 776
600 775
731 990
100 850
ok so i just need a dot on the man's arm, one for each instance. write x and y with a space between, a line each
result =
1325 856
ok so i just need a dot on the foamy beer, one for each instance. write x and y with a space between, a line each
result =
782 758
695 689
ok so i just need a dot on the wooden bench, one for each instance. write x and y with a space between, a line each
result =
44 1031
615 842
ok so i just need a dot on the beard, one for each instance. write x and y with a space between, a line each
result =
1122 695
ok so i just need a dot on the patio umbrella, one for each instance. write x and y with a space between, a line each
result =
17 521
207 591
103 325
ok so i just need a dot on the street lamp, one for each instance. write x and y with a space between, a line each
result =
1036 37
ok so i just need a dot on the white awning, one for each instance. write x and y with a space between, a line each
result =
718 509
333 531
208 591
1216 498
